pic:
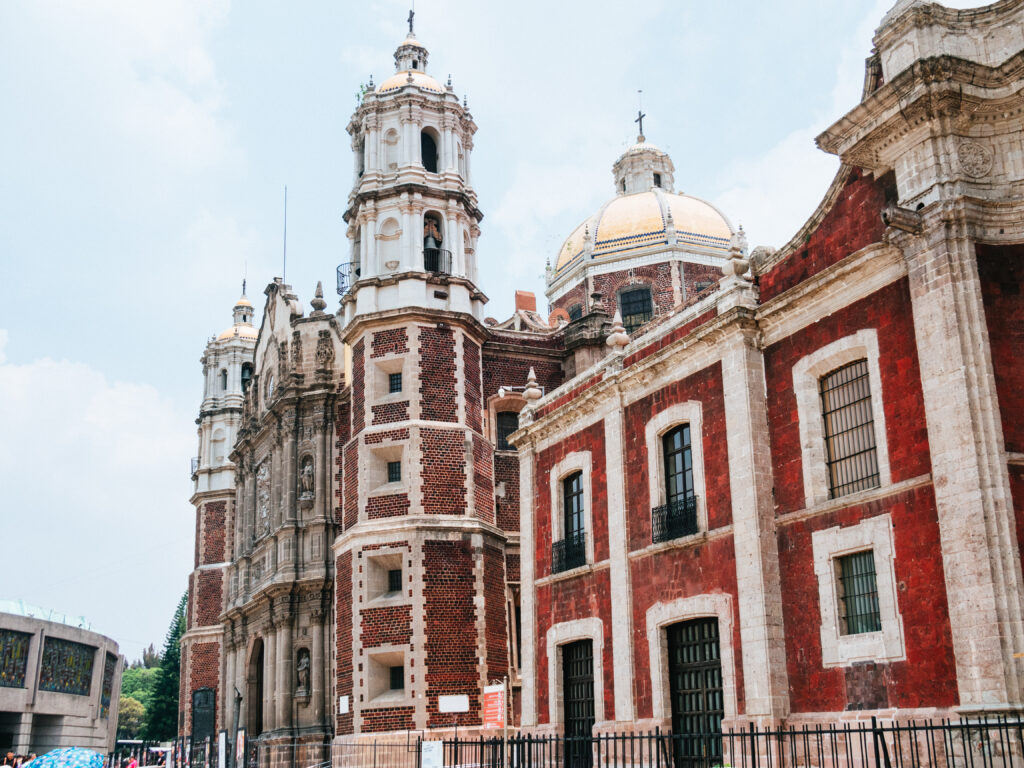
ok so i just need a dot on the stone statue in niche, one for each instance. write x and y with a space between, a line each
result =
302 673
306 478
263 498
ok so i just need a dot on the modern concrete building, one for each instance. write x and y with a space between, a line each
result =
59 683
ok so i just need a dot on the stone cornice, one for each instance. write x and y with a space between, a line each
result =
359 198
362 323
412 525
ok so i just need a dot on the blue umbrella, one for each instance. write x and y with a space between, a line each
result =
68 757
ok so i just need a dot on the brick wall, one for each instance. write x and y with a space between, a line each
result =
437 374
358 387
1001 270
575 295
343 636
351 485
443 458
388 625
471 367
694 274
704 387
506 470
451 645
888 310
209 597
658 277
512 568
853 222
389 719
483 479
204 672
386 413
928 677
214 532
496 631
393 341
392 505
673 574
342 429
391 434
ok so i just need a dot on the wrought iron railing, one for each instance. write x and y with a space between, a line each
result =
674 520
569 553
348 273
437 260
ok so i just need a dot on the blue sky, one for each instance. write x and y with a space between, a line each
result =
144 148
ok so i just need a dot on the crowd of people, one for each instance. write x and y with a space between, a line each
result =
16 761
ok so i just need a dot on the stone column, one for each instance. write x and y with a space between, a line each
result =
290 474
977 530
321 488
227 688
371 247
765 681
285 684
405 247
618 548
527 602
270 689
317 670
450 244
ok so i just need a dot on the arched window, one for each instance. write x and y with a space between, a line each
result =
428 152
636 308
223 379
675 446
246 376
507 422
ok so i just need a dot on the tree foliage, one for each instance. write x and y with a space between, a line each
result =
162 720
131 718
139 683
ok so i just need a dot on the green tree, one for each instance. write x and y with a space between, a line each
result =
162 720
131 717
139 683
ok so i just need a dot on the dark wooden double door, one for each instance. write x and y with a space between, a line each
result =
695 691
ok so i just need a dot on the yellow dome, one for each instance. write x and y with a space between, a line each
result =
241 331
401 79
633 222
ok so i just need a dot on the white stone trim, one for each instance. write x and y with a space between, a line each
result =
837 649
690 413
806 373
576 461
567 632
659 616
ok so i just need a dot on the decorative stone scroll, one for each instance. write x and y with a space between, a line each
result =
975 159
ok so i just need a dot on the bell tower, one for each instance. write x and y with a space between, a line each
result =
419 558
412 215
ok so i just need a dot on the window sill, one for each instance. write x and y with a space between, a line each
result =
683 542
390 699
389 489
389 598
856 499
573 573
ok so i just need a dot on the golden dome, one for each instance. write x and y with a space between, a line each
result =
633 222
401 79
241 331
243 302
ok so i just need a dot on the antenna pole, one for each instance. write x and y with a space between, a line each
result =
284 264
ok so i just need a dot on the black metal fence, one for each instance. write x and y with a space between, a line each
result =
569 553
437 260
674 520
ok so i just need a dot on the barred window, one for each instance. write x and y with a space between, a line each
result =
849 430
507 423
575 311
858 591
397 681
395 580
678 464
394 383
572 504
636 307
394 471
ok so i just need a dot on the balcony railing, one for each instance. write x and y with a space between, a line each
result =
674 520
437 260
348 273
569 553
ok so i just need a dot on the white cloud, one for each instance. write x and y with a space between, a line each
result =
95 478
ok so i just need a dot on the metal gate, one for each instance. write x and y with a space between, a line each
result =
578 694
695 689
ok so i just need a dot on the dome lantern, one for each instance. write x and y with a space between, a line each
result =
643 167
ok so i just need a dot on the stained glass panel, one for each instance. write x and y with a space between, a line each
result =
67 667
108 685
13 658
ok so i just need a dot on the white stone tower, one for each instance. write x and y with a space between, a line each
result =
412 214
227 371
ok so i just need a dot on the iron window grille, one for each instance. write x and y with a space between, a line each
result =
571 552
674 519
636 308
850 452
397 681
394 471
859 592
507 423
395 580
394 383
575 311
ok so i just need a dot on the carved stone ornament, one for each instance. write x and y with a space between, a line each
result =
263 497
296 350
306 478
302 673
282 361
324 350
975 159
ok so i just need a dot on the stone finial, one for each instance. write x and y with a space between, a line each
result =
532 391
618 337
318 302
738 263
588 242
670 226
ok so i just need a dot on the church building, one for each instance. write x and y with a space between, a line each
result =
711 486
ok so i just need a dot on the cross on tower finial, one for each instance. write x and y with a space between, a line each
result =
640 116
412 14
